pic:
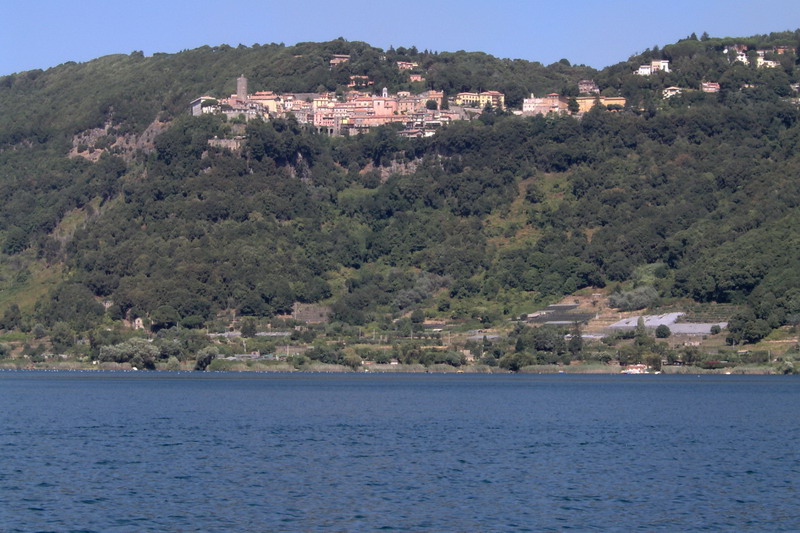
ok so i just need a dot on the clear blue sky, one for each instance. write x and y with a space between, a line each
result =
42 34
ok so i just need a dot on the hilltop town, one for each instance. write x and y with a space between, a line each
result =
358 109
361 108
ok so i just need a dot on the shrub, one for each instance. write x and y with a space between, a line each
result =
638 298
205 357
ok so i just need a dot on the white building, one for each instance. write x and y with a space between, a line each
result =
656 65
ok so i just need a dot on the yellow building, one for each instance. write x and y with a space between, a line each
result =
494 98
269 100
586 103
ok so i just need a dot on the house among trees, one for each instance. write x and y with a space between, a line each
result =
737 52
495 99
552 103
586 103
360 81
765 63
558 104
588 87
338 59
657 65
709 87
737 48
203 104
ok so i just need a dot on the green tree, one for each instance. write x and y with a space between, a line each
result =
248 328
572 106
16 241
11 318
663 331
640 331
38 331
164 317
62 337
575 344
352 360
205 356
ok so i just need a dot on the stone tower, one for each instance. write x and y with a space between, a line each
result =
241 88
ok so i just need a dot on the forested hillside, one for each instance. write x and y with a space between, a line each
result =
485 220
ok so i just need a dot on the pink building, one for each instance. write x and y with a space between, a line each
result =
552 103
406 65
338 59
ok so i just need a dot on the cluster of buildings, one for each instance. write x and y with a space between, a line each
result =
739 52
419 114
706 87
736 52
356 111
558 104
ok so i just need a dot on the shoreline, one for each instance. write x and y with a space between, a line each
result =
285 368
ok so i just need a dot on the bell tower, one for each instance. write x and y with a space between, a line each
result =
241 88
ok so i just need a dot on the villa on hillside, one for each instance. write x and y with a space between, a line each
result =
740 51
586 103
558 104
588 87
552 103
657 65
406 65
338 59
495 99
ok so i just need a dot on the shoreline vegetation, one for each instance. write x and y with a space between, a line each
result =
286 367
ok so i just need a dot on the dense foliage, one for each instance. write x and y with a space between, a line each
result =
704 185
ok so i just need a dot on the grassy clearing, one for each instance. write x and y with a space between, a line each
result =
14 336
39 282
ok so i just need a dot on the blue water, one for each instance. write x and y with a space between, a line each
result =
82 451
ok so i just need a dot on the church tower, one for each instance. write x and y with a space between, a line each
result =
241 88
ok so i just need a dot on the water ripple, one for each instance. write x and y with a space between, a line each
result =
148 452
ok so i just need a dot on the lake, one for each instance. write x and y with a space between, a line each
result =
128 451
